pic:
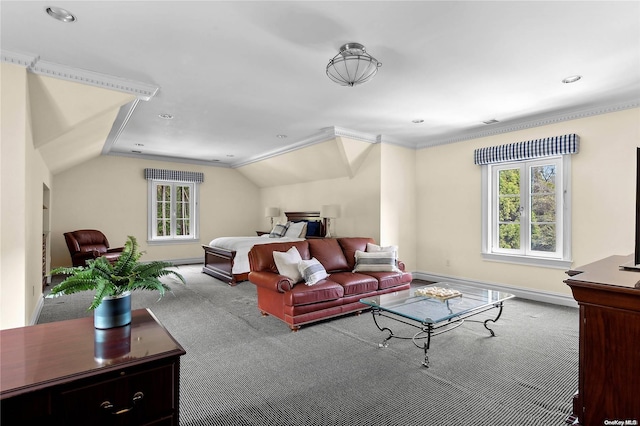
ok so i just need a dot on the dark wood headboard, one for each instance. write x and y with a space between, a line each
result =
309 217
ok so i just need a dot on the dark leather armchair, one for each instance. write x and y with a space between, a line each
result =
86 244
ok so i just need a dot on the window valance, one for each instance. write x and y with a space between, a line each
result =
558 145
173 175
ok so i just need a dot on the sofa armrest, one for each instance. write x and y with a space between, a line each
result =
270 281
115 249
401 266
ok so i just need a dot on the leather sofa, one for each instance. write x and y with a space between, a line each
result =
85 244
338 294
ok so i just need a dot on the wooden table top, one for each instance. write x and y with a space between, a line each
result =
43 355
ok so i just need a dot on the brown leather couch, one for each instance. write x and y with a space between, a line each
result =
85 244
338 294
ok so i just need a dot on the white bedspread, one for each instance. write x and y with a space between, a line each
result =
242 245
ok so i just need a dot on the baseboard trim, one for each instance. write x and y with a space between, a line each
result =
524 293
188 261
36 312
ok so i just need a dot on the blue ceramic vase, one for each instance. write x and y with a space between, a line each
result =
114 311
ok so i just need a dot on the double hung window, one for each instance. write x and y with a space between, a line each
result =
526 211
173 208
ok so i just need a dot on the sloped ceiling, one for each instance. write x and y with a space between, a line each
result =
338 157
71 121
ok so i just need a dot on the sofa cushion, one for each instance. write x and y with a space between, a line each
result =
390 279
378 261
349 247
323 291
311 271
354 283
287 264
329 253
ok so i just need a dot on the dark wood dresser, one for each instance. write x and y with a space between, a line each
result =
69 373
609 370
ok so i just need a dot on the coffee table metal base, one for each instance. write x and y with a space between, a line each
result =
429 330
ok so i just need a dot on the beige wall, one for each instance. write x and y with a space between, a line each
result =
109 193
358 198
23 175
603 182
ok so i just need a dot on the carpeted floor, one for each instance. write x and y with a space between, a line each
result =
245 369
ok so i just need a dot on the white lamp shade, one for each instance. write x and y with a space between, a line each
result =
330 211
271 212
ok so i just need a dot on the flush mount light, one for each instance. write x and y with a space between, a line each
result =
492 121
571 79
352 65
166 116
418 121
60 14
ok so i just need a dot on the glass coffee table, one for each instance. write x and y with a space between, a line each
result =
434 309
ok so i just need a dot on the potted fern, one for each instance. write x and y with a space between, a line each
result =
113 283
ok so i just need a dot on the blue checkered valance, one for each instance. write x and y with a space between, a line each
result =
558 145
174 175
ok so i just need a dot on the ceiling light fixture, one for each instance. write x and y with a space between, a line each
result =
166 116
60 14
571 79
418 121
492 121
281 136
352 66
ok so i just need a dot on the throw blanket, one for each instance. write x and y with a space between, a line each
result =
242 245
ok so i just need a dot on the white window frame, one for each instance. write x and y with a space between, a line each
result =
562 257
194 219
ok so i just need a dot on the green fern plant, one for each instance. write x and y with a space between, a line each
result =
107 279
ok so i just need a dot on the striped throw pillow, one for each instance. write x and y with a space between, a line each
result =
377 261
312 271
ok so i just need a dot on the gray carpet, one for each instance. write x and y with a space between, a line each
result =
245 369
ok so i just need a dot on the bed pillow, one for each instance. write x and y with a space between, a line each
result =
312 271
313 229
296 230
279 230
377 261
287 264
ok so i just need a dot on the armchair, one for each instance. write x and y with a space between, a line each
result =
86 244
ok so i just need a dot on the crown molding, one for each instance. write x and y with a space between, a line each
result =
541 120
34 64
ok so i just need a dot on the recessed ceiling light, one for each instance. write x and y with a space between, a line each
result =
492 121
571 79
60 14
281 136
139 144
230 155
418 121
136 151
166 116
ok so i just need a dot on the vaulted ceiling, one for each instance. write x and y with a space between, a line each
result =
245 80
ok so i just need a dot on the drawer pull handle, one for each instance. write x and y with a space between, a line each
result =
108 406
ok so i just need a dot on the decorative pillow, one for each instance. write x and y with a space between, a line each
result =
296 230
287 264
380 261
312 271
313 229
375 248
279 230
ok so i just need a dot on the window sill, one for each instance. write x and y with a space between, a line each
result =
529 261
172 241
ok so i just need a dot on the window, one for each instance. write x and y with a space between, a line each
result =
526 212
173 211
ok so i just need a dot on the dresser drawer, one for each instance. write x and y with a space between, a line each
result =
129 398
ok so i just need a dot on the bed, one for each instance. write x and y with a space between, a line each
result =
226 258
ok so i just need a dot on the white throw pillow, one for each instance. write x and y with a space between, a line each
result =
287 264
296 229
377 261
375 248
312 271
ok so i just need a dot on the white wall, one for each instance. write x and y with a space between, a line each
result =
603 182
109 193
